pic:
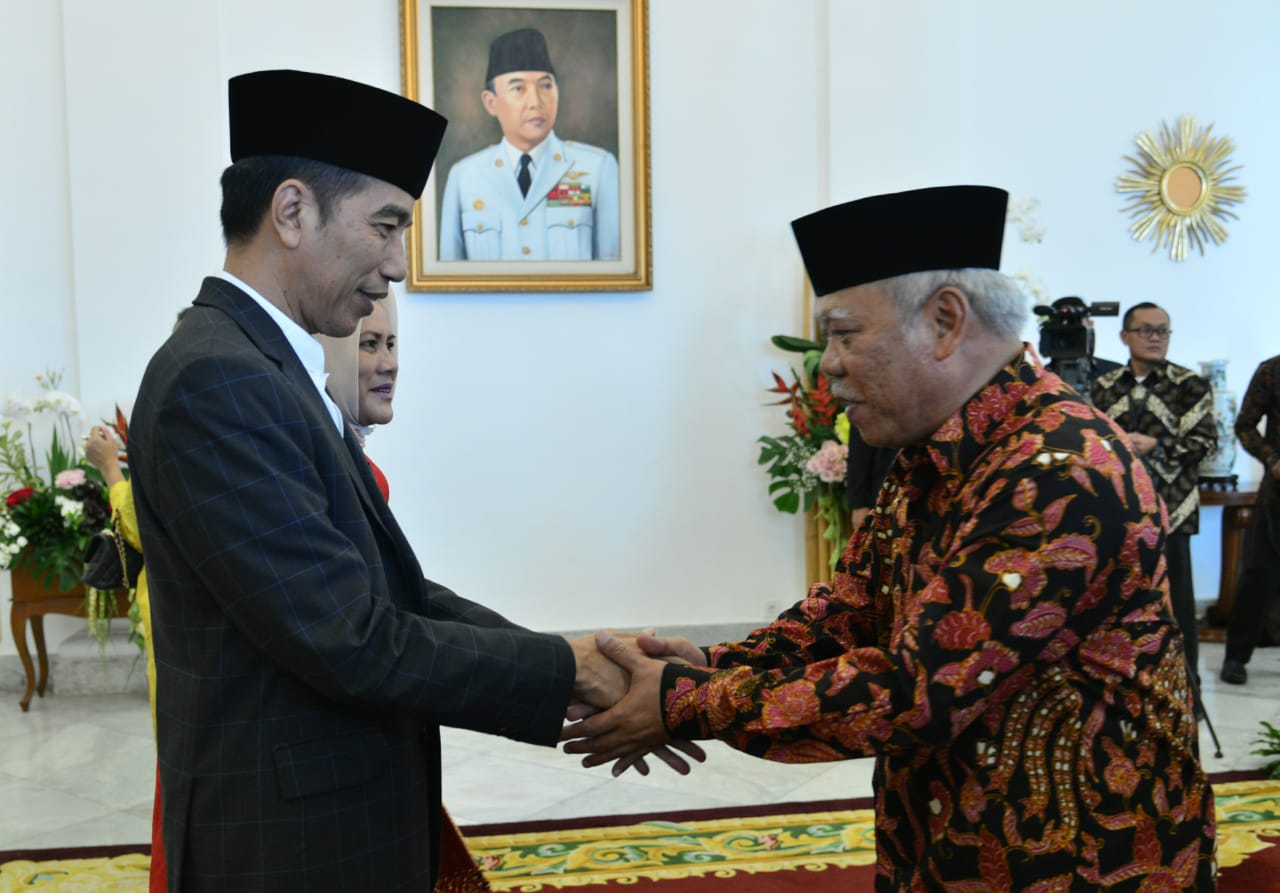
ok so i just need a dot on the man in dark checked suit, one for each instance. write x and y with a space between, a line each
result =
304 663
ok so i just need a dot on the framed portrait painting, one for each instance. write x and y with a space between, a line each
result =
542 181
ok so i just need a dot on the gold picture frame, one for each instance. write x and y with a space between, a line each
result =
469 232
1179 184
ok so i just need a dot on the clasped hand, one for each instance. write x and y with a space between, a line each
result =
618 715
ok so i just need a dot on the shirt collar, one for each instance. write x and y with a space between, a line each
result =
537 154
988 417
1156 371
306 348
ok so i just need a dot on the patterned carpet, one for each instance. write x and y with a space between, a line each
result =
767 853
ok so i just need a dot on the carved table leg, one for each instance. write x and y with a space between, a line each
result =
18 622
42 653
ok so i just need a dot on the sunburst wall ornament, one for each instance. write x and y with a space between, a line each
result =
1179 187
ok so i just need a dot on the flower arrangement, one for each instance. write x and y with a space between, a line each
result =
808 465
53 507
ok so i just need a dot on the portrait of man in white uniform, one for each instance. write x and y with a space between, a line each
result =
534 194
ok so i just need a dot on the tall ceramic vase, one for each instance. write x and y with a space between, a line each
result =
1219 463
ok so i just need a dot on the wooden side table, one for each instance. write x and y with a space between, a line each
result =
31 601
1237 517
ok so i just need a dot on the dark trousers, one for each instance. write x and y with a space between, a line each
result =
1182 595
1258 585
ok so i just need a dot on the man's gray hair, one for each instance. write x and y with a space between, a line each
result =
996 299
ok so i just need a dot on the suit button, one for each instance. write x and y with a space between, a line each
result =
525 250
478 204
497 162
524 222
570 224
479 227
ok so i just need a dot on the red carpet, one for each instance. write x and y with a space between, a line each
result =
787 847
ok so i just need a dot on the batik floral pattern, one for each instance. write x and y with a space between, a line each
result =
999 638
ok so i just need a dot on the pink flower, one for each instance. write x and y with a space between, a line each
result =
829 462
72 477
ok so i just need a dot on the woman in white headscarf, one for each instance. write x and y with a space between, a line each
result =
362 371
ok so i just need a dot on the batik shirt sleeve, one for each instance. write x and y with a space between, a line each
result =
980 566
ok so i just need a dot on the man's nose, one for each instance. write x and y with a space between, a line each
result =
829 365
394 266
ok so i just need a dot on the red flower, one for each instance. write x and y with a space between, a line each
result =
18 497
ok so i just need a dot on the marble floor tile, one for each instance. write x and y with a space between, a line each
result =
34 812
120 827
78 770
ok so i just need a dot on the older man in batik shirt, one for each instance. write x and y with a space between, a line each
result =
998 635
1167 411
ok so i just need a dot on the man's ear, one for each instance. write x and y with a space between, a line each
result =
489 100
946 317
292 204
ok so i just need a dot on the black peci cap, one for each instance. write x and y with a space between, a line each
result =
523 50
331 119
882 236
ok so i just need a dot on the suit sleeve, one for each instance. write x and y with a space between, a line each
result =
452 246
444 604
607 211
247 505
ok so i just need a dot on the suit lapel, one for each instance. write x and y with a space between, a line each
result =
268 338
253 321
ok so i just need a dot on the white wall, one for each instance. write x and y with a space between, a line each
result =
1047 102
576 460
572 460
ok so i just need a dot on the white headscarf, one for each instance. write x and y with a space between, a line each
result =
342 362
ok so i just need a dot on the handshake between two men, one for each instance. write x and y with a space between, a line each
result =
617 714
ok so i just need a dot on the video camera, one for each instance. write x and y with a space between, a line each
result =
1063 333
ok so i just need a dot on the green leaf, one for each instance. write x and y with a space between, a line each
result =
793 344
788 502
812 358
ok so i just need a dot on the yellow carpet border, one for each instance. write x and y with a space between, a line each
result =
1248 821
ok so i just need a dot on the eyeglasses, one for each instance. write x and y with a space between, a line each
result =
1150 332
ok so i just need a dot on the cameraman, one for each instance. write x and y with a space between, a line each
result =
1083 371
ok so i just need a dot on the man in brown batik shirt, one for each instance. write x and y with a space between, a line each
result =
1261 578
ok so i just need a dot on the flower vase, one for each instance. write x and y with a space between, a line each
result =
817 548
826 533
1219 463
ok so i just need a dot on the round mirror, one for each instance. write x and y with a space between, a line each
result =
1182 188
